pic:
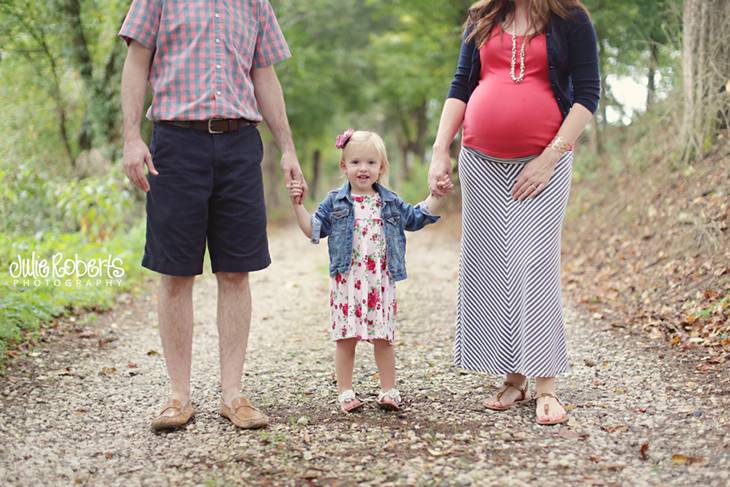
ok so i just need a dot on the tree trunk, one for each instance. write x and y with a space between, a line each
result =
706 70
405 162
316 169
651 76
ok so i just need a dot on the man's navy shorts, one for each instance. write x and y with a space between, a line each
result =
209 187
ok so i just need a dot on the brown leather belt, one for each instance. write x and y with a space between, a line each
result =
212 126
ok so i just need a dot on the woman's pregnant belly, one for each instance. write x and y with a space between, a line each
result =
506 119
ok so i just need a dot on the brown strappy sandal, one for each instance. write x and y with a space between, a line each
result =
546 409
524 397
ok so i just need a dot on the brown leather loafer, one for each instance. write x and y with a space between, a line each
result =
243 414
182 415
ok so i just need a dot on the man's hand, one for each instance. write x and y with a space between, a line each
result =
293 172
136 156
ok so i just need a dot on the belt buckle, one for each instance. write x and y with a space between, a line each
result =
210 128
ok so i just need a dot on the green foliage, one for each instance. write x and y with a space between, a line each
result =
34 203
26 304
87 219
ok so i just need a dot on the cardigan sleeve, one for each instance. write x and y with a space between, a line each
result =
583 61
460 84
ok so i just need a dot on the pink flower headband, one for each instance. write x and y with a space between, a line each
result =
344 138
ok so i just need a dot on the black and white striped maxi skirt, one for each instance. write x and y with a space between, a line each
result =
509 315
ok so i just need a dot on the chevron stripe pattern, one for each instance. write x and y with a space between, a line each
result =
509 315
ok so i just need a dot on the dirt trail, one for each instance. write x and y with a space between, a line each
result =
78 414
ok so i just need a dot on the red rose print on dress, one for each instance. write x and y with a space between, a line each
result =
358 311
373 298
358 284
371 264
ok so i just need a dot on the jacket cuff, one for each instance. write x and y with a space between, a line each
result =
423 208
316 229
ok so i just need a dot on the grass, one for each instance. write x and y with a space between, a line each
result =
26 304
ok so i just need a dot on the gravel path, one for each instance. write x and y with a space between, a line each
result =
77 412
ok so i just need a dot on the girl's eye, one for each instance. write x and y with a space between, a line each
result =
372 163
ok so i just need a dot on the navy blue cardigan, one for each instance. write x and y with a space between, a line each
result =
572 54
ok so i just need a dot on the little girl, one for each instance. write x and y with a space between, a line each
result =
365 223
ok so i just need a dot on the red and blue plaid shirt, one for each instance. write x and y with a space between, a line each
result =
204 53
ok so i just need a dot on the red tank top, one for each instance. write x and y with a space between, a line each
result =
507 119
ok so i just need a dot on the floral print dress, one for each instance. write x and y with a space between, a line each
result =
362 300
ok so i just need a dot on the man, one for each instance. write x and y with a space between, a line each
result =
210 65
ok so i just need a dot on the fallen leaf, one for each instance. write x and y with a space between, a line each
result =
644 451
572 435
681 459
617 428
107 371
152 353
131 365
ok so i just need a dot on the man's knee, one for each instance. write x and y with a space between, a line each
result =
232 279
175 285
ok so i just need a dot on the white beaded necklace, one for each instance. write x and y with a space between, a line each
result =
517 79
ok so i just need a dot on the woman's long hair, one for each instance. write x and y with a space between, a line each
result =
485 14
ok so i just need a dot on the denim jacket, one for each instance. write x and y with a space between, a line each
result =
335 218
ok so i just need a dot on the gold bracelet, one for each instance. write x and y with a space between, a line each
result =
559 145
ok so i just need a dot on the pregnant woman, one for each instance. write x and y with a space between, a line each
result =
526 86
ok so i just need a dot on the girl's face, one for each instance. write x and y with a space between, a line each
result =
362 166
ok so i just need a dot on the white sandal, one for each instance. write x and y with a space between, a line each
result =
389 400
349 401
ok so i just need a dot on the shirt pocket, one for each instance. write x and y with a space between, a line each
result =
393 219
243 31
339 220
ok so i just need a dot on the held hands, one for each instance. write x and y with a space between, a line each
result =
293 174
535 176
444 186
296 192
439 173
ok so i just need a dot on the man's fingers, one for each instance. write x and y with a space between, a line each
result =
144 185
288 176
134 177
150 164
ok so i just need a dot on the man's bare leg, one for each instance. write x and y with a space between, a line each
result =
234 322
175 314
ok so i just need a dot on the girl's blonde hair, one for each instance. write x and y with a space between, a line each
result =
365 137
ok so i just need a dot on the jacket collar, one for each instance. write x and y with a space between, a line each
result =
345 192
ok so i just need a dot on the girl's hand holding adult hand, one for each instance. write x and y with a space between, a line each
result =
535 176
296 192
440 168
445 184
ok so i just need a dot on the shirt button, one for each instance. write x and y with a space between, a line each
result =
218 93
217 41
217 15
217 66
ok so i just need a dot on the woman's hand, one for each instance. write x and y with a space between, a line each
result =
535 176
439 172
